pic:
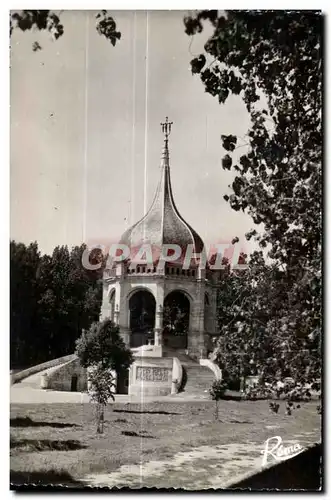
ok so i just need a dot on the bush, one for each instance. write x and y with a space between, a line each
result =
216 392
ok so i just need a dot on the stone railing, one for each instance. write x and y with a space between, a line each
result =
212 366
177 375
17 377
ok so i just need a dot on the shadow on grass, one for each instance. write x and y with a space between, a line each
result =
28 422
181 388
135 434
161 412
232 396
46 445
240 422
41 478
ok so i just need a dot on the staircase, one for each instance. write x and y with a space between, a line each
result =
197 379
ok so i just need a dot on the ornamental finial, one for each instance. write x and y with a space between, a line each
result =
166 128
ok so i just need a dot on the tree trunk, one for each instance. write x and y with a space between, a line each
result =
100 418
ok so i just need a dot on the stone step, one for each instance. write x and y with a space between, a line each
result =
198 378
168 352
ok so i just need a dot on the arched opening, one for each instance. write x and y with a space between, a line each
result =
74 381
176 320
142 317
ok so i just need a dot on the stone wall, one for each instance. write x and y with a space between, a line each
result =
18 376
60 379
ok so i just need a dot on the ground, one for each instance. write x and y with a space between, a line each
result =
157 444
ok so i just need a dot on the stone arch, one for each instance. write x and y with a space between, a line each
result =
141 309
183 291
110 291
176 319
139 288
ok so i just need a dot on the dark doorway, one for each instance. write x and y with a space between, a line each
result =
176 319
74 380
123 382
142 318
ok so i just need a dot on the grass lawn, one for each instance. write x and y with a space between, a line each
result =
58 443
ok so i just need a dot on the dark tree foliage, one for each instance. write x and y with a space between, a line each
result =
52 299
102 345
46 20
278 181
24 263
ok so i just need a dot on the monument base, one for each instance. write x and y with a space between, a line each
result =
151 376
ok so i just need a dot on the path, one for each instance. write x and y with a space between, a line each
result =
205 467
22 393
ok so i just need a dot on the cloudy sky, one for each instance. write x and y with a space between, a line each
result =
81 144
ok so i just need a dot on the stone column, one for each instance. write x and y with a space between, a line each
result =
116 314
105 307
158 325
196 342
125 334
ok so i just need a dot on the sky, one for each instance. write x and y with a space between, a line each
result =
85 143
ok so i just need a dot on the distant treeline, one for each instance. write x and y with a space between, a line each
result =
52 298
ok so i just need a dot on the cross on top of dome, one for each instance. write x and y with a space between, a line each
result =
166 127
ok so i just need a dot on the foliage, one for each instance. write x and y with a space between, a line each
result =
255 336
42 20
274 407
216 392
46 20
102 344
101 350
175 320
101 390
52 298
270 316
289 391
106 27
24 263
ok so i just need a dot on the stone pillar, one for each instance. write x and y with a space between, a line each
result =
159 314
196 344
158 325
116 314
105 307
125 334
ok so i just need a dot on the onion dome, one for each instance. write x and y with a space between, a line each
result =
163 224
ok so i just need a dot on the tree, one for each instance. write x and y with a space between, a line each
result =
253 323
216 392
175 320
277 55
24 262
46 20
52 298
101 350
69 300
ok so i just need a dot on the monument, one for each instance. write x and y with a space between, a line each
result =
161 305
